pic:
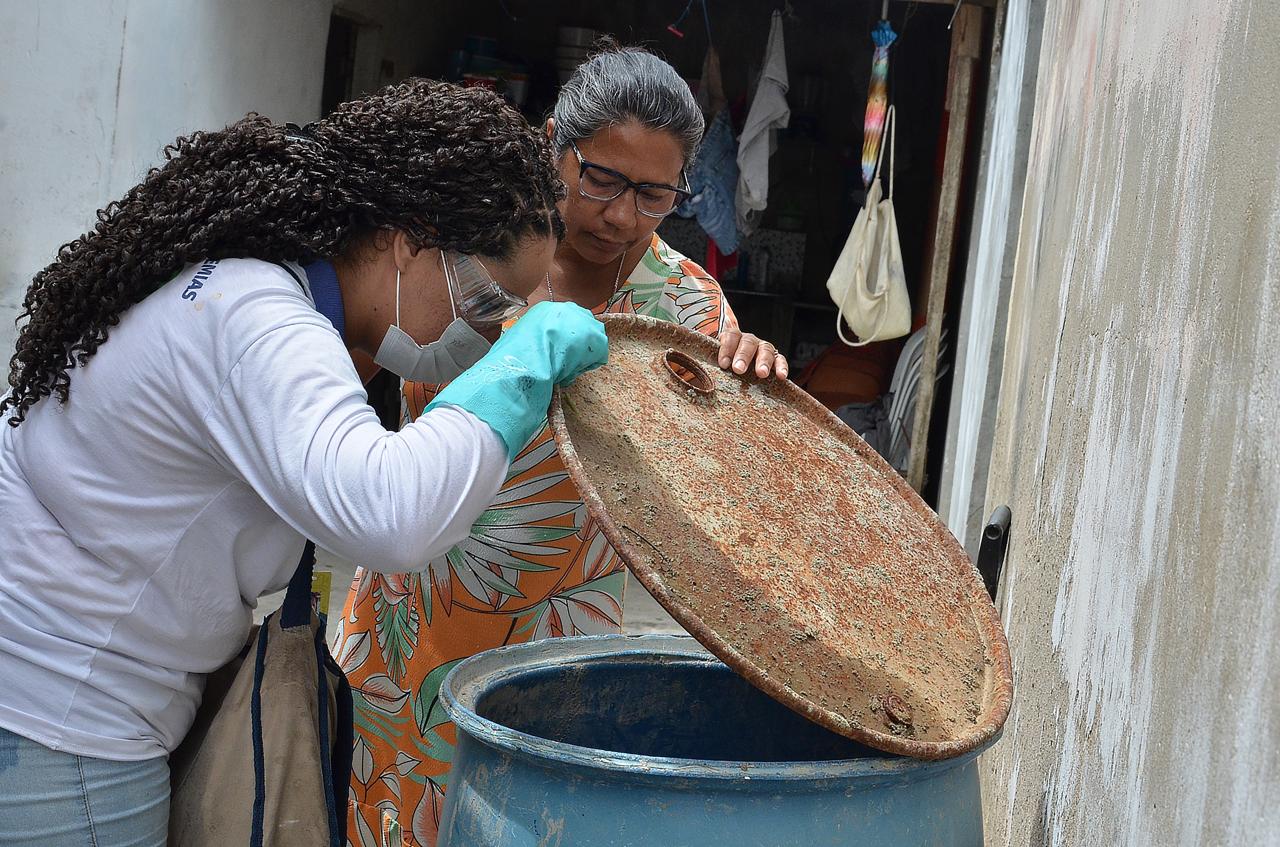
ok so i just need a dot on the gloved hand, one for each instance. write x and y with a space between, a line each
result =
510 388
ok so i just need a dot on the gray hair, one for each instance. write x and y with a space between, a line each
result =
627 83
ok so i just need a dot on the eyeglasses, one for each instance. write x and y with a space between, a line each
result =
653 199
481 300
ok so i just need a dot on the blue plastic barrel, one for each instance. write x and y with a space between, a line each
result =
650 740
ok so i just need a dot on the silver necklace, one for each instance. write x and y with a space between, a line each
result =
617 280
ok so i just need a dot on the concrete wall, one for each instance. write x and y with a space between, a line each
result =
91 92
1138 438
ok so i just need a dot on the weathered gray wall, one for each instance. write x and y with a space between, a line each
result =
91 92
1138 439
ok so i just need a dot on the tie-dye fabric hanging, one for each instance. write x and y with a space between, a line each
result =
877 99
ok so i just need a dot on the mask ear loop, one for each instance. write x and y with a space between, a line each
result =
444 266
397 298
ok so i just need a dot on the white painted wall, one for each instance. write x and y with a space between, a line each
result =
91 92
1138 437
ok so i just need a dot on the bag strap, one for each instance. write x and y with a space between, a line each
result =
874 332
296 609
259 761
343 743
333 790
296 612
889 136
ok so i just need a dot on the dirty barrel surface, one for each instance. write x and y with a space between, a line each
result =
651 740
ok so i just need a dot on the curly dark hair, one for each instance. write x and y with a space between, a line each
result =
451 167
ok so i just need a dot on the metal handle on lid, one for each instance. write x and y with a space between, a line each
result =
688 374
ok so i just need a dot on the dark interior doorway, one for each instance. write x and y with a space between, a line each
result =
339 62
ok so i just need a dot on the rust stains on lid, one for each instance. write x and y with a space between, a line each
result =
785 544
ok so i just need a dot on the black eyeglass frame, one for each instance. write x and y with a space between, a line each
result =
682 194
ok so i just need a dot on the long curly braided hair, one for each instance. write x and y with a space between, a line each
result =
451 167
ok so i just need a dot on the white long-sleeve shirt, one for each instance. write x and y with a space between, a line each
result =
220 424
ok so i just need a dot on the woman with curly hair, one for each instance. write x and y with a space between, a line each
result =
185 411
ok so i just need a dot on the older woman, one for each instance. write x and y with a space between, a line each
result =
625 128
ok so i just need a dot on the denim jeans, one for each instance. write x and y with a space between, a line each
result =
51 798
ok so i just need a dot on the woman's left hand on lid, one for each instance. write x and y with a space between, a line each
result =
742 350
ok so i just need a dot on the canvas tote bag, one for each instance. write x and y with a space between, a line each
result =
868 283
268 760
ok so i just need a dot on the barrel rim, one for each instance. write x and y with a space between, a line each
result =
473 677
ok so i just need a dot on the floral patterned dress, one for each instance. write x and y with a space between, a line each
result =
535 566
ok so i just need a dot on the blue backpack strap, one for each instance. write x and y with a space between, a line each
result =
296 610
326 294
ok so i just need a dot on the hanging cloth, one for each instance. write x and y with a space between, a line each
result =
710 96
712 179
769 113
877 99
868 283
713 176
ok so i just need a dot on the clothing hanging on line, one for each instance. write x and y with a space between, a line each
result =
769 113
712 179
710 96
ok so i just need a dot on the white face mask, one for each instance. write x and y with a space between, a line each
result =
458 348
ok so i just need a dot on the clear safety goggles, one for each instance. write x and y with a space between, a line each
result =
480 299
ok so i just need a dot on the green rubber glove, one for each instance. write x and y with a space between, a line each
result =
510 388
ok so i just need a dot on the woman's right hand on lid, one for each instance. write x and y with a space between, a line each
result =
510 388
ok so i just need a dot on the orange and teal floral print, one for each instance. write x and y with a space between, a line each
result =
536 565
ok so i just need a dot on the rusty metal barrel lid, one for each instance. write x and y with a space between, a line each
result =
785 544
